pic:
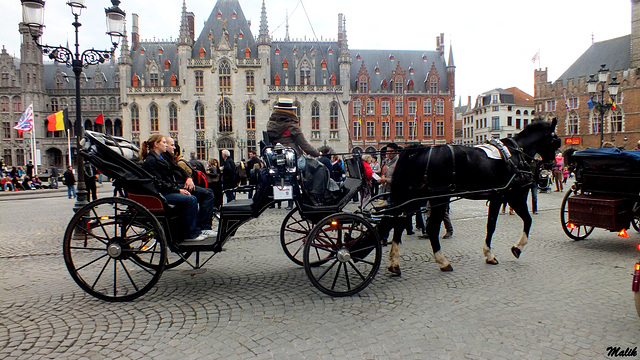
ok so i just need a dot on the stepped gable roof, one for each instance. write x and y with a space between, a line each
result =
406 59
303 50
154 51
616 53
520 97
234 26
108 69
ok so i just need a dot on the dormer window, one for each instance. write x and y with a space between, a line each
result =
210 35
424 57
324 64
277 51
295 51
240 35
135 80
276 79
391 57
202 52
384 84
167 64
358 56
247 52
219 15
377 70
285 64
142 51
174 80
234 15
495 99
411 70
410 85
330 51
333 79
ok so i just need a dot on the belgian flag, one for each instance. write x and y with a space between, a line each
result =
58 121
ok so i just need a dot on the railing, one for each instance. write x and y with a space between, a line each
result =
200 63
249 62
154 90
304 88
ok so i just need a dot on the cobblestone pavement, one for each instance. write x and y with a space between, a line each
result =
562 299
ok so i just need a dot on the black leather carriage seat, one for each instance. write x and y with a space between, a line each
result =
238 206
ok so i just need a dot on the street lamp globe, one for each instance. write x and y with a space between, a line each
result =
76 6
33 13
592 84
115 22
603 73
614 85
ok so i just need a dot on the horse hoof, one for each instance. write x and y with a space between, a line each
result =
516 252
447 268
395 270
492 262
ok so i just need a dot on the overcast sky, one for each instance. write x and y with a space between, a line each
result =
493 41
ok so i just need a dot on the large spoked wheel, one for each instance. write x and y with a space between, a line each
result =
576 232
350 249
293 232
115 249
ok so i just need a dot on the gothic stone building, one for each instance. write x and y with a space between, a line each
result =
567 98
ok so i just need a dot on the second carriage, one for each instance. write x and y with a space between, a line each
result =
116 248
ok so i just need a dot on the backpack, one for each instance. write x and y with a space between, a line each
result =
198 172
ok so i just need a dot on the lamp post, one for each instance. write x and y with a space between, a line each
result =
602 106
32 17
241 143
207 145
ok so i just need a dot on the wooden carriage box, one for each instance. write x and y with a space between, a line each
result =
611 213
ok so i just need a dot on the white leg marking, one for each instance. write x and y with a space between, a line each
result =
523 241
394 254
441 259
488 253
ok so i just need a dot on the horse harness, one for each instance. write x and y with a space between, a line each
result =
522 173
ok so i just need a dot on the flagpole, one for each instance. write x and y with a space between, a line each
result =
69 147
33 148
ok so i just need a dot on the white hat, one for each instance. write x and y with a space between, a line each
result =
285 104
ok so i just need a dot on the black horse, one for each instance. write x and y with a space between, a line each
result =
441 172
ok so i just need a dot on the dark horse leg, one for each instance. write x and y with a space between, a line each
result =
436 215
400 224
519 204
492 218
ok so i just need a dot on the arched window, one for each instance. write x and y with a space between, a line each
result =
251 115
103 104
108 127
315 116
4 79
225 116
433 85
224 74
297 106
5 104
113 103
200 119
117 127
363 84
173 117
54 104
17 104
305 73
572 124
153 118
333 116
88 125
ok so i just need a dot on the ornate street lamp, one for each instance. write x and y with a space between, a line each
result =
33 18
207 145
241 143
602 106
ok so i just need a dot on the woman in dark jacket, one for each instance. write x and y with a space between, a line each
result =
151 151
284 127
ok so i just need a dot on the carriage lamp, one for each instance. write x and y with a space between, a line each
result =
33 19
602 106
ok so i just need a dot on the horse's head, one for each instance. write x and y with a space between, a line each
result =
539 137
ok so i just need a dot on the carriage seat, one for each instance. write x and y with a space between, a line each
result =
238 206
153 203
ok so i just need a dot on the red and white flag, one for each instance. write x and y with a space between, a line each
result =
26 120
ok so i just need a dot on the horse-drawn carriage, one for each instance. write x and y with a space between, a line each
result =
606 195
116 248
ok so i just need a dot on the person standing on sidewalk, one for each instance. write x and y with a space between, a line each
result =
70 181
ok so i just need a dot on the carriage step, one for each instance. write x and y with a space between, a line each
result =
208 244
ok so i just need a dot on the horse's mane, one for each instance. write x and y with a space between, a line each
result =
535 126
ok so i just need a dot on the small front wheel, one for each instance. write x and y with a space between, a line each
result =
350 252
115 249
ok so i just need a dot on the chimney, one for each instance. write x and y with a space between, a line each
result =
135 35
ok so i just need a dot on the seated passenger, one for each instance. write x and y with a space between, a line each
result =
151 151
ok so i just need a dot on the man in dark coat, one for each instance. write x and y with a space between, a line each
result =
70 181
228 175
284 127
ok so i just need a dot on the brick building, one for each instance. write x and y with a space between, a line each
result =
567 99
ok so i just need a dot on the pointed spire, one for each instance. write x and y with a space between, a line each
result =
185 38
125 54
263 35
450 62
345 56
286 35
